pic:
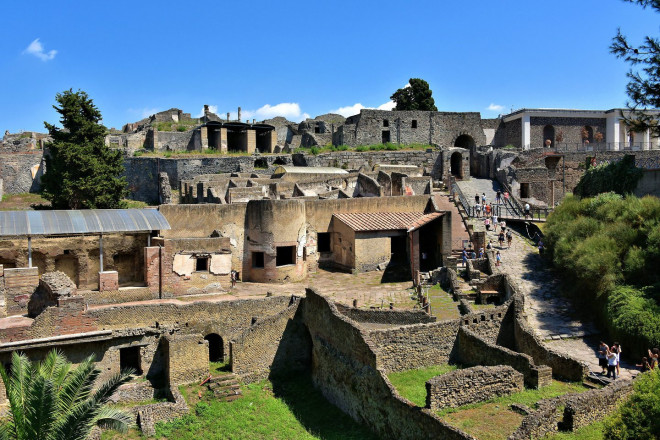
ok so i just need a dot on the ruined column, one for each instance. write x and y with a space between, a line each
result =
227 116
239 114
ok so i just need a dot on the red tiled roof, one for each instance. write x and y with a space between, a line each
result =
385 221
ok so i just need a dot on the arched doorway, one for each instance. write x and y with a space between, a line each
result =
549 134
465 141
456 165
216 347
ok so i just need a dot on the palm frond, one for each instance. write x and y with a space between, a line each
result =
112 418
41 406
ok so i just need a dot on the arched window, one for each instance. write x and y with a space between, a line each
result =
549 135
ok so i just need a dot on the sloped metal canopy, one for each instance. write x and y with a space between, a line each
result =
80 222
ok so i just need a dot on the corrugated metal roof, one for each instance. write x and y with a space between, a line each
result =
282 169
90 221
385 221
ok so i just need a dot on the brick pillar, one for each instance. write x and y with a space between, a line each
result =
152 268
223 139
108 280
204 137
251 141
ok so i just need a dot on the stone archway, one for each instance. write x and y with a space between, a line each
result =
465 141
216 347
456 165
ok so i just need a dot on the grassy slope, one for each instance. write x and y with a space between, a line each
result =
411 384
290 409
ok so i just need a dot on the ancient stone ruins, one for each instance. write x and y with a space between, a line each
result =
150 288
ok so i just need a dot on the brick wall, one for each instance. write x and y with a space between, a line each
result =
20 283
277 344
187 358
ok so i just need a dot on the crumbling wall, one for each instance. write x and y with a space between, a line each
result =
21 172
385 316
344 370
472 385
187 358
277 344
52 287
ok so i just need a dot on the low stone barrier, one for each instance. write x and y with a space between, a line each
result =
472 385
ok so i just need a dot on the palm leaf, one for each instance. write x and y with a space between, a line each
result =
40 407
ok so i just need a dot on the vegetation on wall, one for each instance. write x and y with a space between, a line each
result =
620 177
81 171
607 249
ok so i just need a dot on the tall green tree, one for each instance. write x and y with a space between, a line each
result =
52 401
643 89
416 96
81 171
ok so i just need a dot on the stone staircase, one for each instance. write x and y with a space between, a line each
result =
225 388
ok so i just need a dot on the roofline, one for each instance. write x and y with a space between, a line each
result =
550 111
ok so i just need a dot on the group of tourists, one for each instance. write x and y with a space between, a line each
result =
609 359
483 208
651 362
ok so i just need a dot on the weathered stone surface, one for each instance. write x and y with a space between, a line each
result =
472 385
52 287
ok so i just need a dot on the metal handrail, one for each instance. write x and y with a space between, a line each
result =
568 147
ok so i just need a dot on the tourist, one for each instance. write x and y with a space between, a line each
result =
476 198
541 247
509 238
616 349
481 252
602 356
233 275
487 223
498 258
644 366
653 358
611 364
483 198
477 210
503 226
500 238
464 257
489 246
487 210
473 255
498 197
526 210
495 223
506 197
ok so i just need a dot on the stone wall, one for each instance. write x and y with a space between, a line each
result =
277 344
385 316
572 411
21 172
344 370
472 385
187 358
19 285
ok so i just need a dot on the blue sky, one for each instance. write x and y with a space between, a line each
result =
310 58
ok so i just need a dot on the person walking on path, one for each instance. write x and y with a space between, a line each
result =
487 223
602 357
464 257
494 222
509 238
498 197
526 210
477 210
617 350
483 198
476 198
498 259
500 238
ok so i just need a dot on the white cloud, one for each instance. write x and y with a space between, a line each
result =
354 109
37 49
495 107
289 110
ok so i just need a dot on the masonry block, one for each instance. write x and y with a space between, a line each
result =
108 280
187 358
542 376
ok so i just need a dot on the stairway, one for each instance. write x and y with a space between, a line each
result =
225 388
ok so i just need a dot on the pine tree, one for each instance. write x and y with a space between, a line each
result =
81 171
415 96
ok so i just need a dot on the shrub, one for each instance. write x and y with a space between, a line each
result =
314 150
620 177
639 417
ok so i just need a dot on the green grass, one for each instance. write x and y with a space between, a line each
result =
411 384
291 409
443 305
493 419
595 431
135 204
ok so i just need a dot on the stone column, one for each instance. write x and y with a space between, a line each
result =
526 132
612 131
251 141
204 137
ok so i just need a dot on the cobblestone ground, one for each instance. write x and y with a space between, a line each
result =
478 186
552 316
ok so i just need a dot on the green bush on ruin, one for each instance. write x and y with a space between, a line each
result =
607 249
